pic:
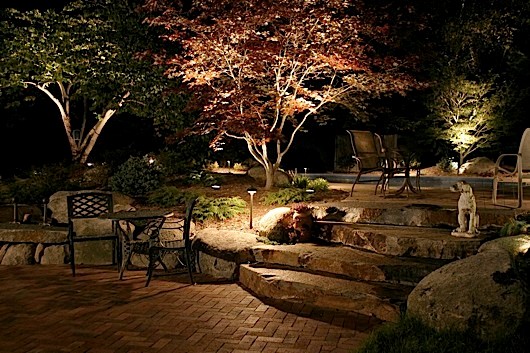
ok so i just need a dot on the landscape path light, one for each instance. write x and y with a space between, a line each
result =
251 191
15 210
44 211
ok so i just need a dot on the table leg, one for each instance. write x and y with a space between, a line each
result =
407 184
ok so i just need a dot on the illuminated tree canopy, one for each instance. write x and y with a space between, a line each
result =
260 69
83 58
467 111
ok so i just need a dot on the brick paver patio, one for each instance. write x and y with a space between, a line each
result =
44 309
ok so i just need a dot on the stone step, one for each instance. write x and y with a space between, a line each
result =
382 300
420 215
346 262
433 243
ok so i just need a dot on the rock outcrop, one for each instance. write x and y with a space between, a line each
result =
485 293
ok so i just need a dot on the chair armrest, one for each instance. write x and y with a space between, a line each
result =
499 169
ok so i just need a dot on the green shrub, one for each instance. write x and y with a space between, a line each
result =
201 178
303 182
218 208
41 184
239 167
92 177
286 196
514 227
445 164
176 162
138 176
410 335
168 196
318 184
300 182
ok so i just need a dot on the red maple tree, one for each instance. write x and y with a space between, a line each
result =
263 67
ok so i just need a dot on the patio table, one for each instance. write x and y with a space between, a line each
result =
407 184
129 225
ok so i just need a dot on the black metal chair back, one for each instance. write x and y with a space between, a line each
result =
180 247
145 235
84 206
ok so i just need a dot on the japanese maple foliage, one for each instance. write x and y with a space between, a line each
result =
263 67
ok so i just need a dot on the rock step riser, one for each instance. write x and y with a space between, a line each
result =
383 302
345 262
431 243
407 216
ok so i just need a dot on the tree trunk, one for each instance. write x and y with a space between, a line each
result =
80 150
269 181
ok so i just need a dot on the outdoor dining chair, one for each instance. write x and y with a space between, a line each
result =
137 243
178 243
84 208
513 169
368 155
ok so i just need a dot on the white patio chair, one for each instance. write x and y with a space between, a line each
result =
514 169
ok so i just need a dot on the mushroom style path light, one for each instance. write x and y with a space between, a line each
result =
251 191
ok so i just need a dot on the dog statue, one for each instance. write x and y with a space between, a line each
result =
467 211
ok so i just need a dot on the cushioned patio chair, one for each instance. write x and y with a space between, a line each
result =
513 169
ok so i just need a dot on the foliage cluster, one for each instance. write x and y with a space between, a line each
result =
297 192
410 335
86 59
263 68
286 196
520 224
215 209
138 176
218 208
200 177
303 182
168 196
41 184
445 164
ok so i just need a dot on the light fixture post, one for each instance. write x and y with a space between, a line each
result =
251 191
44 211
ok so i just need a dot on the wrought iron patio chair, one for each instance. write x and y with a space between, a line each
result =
514 169
368 155
139 239
180 247
82 207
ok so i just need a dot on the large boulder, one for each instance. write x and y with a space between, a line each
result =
258 174
481 166
274 225
220 252
287 225
59 210
484 293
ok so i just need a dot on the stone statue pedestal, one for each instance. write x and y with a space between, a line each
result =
458 234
